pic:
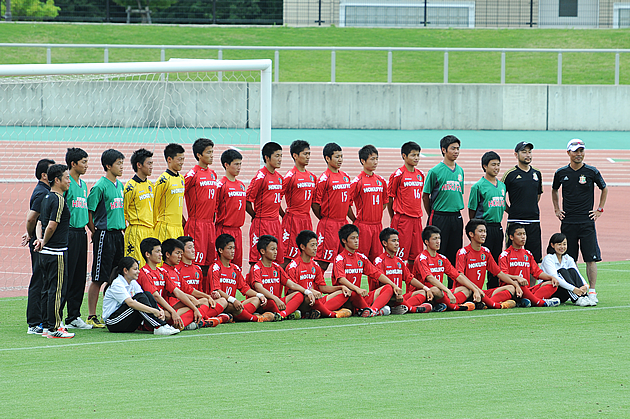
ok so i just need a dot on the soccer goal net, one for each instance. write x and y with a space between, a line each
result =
44 109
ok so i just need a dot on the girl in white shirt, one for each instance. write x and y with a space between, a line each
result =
571 284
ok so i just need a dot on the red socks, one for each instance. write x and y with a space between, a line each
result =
247 313
336 302
357 301
535 300
415 300
383 298
321 307
546 291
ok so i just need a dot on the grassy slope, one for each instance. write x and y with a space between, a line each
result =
351 66
562 362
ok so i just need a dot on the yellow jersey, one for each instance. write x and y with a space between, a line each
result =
168 204
138 202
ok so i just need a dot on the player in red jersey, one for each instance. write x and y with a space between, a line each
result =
417 295
331 205
520 264
231 202
297 188
368 192
405 203
200 192
226 279
264 195
350 266
268 278
305 272
151 279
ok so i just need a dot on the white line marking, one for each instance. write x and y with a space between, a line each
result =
610 160
335 326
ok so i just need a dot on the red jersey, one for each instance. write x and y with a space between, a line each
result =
265 192
201 193
332 194
369 194
519 262
353 266
406 189
474 264
228 279
231 203
394 268
298 188
308 275
153 280
172 274
437 266
190 274
272 278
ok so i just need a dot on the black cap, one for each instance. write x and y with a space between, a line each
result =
521 146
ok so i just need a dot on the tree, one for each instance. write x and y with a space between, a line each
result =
31 9
148 4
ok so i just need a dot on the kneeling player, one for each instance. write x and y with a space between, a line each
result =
304 271
414 300
226 278
520 264
267 277
350 266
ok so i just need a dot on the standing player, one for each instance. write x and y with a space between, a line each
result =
523 186
201 199
368 192
297 187
53 249
264 195
331 205
305 272
231 203
405 203
414 300
139 204
168 205
443 198
107 223
350 266
76 198
33 307
577 216
487 202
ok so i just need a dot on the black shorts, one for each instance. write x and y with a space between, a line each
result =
108 250
586 235
534 239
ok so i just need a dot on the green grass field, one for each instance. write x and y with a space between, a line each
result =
565 362
351 66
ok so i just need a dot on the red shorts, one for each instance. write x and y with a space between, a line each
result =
369 243
259 227
238 242
328 243
409 237
291 226
203 231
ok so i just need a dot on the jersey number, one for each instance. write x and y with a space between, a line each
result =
376 199
416 194
328 254
210 193
277 198
293 252
228 291
307 195
344 196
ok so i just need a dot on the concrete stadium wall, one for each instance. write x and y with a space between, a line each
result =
320 105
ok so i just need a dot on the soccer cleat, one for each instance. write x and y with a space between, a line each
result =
193 325
342 313
296 315
210 322
166 330
385 311
401 309
481 306
78 323
467 306
35 330
583 302
95 322
313 314
508 304
593 296
368 312
426 306
551 302
440 307
268 316
225 318
525 303
60 333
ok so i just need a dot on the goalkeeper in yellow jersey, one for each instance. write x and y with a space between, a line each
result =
168 203
139 204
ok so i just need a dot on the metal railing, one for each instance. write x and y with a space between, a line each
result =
333 50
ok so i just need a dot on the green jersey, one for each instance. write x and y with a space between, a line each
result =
106 202
488 200
76 197
446 188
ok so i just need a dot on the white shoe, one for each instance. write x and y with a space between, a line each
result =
78 323
165 330
593 297
401 309
44 333
60 333
583 302
385 311
35 330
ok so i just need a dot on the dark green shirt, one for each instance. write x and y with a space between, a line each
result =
76 197
487 200
446 188
106 202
